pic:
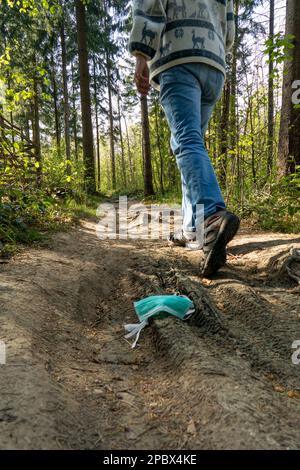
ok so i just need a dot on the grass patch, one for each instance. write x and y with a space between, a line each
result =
31 221
86 207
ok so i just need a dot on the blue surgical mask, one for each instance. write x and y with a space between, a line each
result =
158 305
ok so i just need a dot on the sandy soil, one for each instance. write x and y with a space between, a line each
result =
223 380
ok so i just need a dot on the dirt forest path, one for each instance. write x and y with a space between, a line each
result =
224 380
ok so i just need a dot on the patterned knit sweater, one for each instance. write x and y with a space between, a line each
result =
171 32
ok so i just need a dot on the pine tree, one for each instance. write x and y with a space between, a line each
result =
86 111
289 138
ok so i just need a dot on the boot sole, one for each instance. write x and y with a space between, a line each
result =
217 256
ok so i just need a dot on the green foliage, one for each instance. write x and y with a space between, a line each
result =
62 177
26 209
279 49
276 206
21 215
33 7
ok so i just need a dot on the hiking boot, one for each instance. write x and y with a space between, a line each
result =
181 238
219 230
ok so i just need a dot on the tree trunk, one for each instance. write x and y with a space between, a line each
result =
55 102
36 130
97 125
289 134
161 163
253 166
74 113
233 87
171 168
111 123
27 126
271 95
129 151
122 144
223 134
11 113
87 128
1 122
66 94
148 182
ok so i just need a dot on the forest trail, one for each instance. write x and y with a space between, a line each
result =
226 380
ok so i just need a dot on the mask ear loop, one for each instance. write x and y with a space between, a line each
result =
188 314
134 329
190 311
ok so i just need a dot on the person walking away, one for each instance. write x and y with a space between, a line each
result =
180 48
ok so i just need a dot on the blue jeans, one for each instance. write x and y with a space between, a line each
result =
188 94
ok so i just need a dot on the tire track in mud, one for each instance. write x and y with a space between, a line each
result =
243 342
241 346
247 322
219 365
209 383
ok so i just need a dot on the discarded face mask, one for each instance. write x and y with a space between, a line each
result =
158 305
